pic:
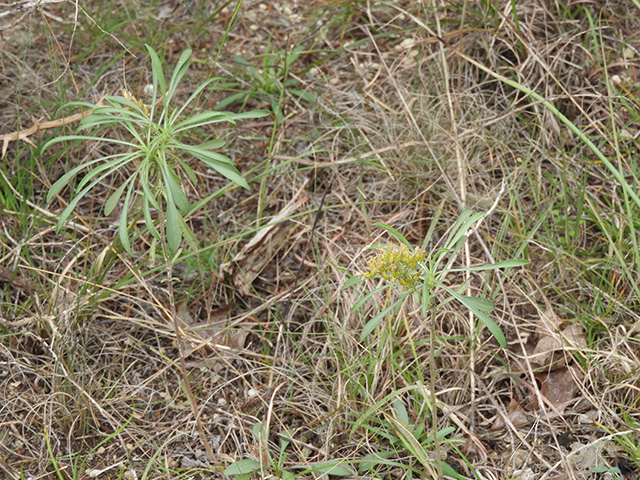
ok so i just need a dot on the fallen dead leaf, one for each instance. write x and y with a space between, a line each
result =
554 337
559 387
517 417
215 330
250 261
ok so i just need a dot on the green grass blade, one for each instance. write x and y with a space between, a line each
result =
79 196
225 170
492 266
478 308
375 321
200 152
466 219
194 95
63 180
177 194
173 228
113 200
366 297
618 175
394 232
123 228
202 119
87 137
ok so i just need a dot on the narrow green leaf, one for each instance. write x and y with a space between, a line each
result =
249 115
113 200
394 232
157 74
231 99
375 321
426 298
199 152
480 315
181 68
307 96
63 180
465 221
493 266
371 460
401 410
242 467
355 280
194 95
412 444
123 228
148 220
188 170
481 304
146 189
109 167
188 235
172 229
287 475
77 104
212 144
88 137
227 171
240 61
331 468
72 204
367 296
202 119
178 196
464 215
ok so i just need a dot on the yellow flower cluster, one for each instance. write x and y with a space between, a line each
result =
129 96
397 264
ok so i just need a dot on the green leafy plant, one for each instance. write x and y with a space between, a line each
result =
271 83
423 277
403 433
274 467
155 161
246 468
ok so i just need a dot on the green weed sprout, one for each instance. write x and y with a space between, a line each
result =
270 83
422 276
154 163
271 467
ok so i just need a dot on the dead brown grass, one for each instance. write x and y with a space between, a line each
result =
404 132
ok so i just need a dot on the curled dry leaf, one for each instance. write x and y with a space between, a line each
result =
554 337
559 387
215 330
517 417
251 260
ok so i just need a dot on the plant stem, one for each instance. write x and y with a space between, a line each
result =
183 366
432 388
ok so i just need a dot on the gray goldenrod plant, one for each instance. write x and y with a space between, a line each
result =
154 163
420 275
